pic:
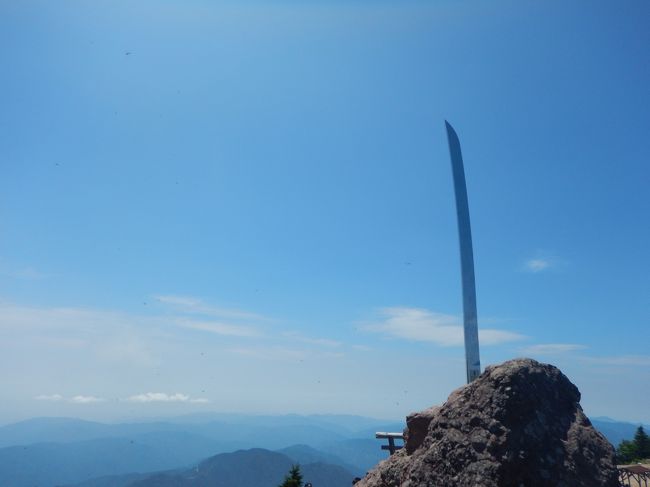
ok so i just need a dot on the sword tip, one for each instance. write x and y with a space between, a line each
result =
452 137
450 129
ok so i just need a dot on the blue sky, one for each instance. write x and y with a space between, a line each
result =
243 206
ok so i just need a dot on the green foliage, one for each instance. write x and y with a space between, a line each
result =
635 450
626 452
642 442
293 478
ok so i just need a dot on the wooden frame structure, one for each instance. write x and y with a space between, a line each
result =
634 475
391 437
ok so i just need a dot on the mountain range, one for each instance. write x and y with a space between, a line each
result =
47 452
247 468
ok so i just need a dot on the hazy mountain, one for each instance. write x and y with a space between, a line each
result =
325 475
304 454
48 464
271 432
363 453
320 468
68 430
50 451
344 423
112 480
41 430
616 431
248 468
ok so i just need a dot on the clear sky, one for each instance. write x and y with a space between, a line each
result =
248 206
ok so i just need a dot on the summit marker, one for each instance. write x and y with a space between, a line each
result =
470 319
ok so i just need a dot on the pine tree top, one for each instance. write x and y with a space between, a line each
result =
293 478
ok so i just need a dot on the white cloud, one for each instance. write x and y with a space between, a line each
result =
551 348
489 336
325 342
76 399
107 336
225 329
49 397
163 397
273 353
180 301
422 325
537 265
78 319
191 305
86 399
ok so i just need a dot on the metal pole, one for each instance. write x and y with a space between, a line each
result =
470 320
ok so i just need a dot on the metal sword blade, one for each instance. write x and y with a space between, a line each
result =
470 320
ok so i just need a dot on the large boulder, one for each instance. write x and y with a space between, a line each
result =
519 424
417 427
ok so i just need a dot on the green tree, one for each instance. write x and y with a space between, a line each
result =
627 452
642 443
635 450
293 478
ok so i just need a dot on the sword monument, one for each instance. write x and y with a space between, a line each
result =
470 321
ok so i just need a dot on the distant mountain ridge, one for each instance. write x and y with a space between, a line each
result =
248 468
616 431
244 468
46 464
305 454
53 451
275 431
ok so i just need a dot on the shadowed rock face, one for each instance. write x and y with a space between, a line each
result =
519 424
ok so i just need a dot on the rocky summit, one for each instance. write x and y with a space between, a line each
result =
519 424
